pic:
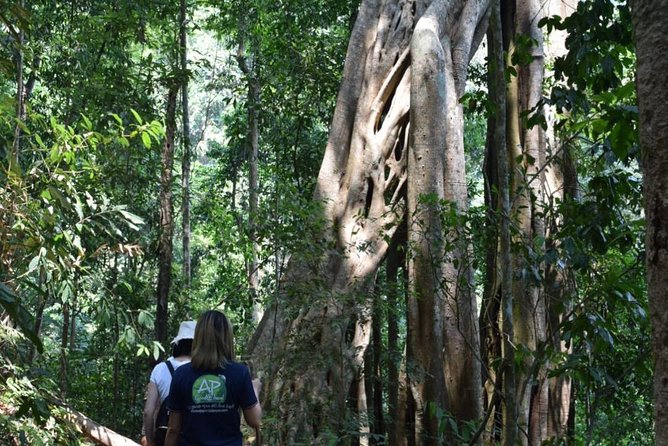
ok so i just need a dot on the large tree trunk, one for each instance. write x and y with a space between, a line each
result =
362 185
442 336
650 21
166 220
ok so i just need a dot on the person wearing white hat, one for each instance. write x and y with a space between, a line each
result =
160 381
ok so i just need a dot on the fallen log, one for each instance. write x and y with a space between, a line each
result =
96 432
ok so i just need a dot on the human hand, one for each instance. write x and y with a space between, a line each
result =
143 441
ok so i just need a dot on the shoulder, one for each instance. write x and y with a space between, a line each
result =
237 368
158 371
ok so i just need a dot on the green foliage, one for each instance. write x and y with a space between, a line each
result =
602 235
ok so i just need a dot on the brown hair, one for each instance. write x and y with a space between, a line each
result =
213 345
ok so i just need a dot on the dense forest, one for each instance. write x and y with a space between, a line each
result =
431 222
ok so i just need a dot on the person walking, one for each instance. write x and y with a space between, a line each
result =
155 409
207 394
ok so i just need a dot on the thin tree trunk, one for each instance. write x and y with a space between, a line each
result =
376 376
116 374
63 350
360 344
253 197
20 100
185 165
405 413
650 21
166 221
253 100
42 301
396 412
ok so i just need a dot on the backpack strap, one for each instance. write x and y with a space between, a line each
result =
162 417
170 367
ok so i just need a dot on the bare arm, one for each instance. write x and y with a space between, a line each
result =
174 429
151 407
253 416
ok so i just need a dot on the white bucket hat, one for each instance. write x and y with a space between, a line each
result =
186 331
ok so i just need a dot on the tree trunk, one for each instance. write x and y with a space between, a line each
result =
527 156
362 187
185 166
375 376
63 351
442 338
516 300
253 197
13 161
650 21
394 265
96 432
360 343
166 221
562 185
253 101
497 318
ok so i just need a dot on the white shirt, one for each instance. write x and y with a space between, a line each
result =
161 377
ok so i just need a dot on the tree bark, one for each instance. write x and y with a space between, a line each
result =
63 350
497 319
394 265
185 165
166 221
96 432
361 186
375 377
20 100
253 104
527 156
650 21
562 185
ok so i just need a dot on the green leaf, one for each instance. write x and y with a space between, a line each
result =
146 139
137 117
146 319
20 315
157 348
39 141
117 118
78 207
87 124
133 220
